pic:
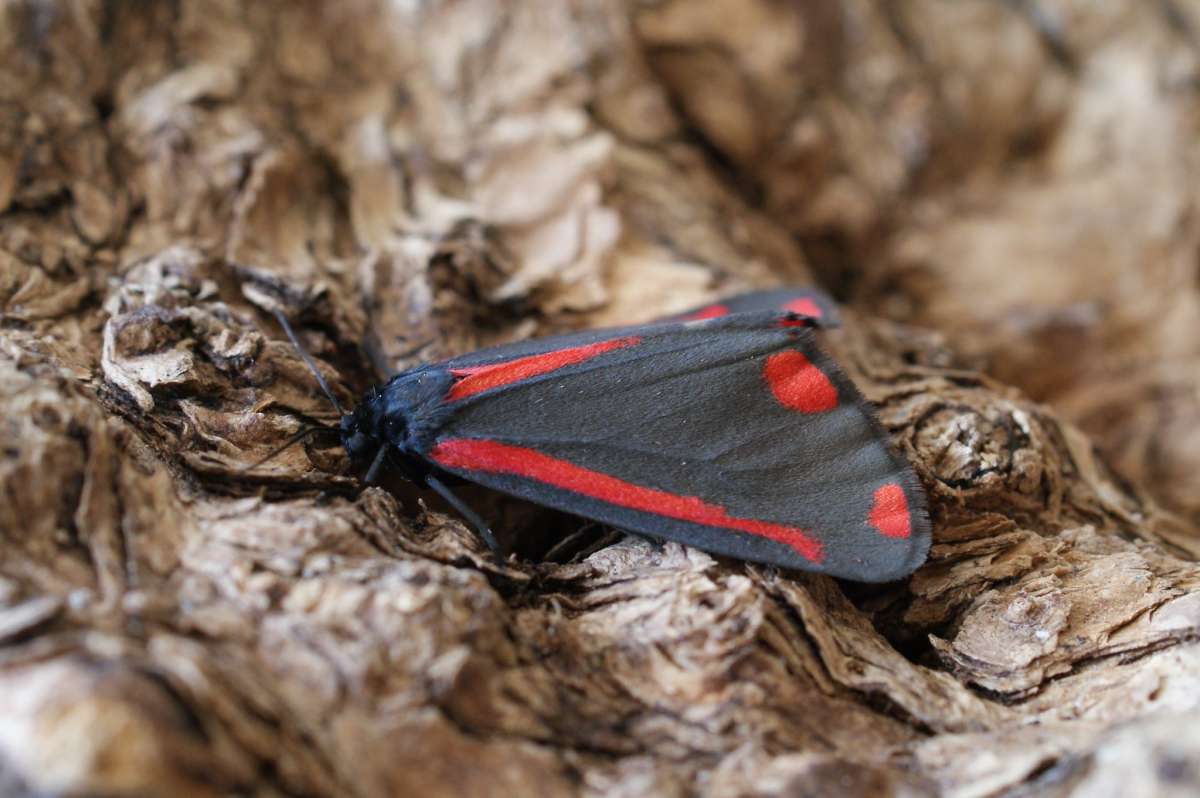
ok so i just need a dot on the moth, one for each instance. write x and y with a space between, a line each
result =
727 428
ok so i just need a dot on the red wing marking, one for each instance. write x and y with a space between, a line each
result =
889 512
804 306
476 379
501 458
710 312
799 385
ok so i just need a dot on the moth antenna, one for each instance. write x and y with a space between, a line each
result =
379 361
415 349
289 443
287 328
471 517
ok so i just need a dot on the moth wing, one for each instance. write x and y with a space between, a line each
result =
737 435
814 307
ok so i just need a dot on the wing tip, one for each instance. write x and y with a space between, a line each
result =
884 550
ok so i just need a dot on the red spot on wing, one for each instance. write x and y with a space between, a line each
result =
710 312
476 379
501 458
889 512
805 306
799 385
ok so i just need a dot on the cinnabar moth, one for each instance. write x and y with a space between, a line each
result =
733 433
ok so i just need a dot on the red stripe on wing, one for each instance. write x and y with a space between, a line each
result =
501 458
476 379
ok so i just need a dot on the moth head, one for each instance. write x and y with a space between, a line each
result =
354 428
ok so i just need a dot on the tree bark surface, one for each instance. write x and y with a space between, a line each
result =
1003 194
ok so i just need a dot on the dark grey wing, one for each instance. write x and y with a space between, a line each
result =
737 435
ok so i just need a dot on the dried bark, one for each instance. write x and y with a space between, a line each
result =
1002 191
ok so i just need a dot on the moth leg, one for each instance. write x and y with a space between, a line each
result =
470 516
607 539
376 464
601 537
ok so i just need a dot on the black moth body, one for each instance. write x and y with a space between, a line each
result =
726 430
